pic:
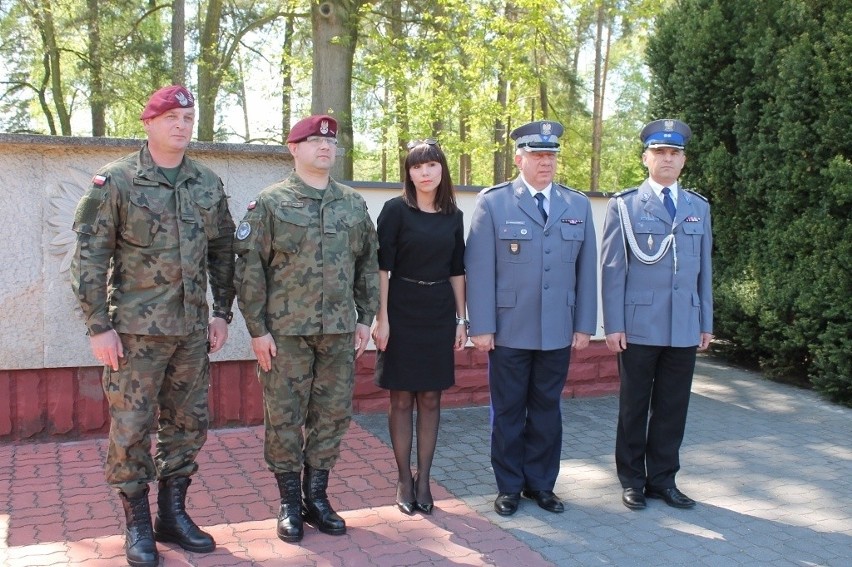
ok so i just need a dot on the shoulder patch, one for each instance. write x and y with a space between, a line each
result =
699 195
251 205
99 180
243 230
493 187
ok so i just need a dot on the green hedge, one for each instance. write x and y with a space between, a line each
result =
766 87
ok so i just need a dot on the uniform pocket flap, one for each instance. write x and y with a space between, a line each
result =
515 232
639 298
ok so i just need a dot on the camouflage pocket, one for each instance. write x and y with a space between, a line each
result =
142 221
208 212
290 229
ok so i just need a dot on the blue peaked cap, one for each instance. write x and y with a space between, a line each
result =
538 136
665 133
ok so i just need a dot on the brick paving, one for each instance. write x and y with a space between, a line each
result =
770 465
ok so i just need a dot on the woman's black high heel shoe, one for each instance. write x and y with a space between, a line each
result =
425 507
406 508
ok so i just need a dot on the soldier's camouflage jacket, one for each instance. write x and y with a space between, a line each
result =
306 260
145 247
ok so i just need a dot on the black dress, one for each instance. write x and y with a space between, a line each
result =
427 247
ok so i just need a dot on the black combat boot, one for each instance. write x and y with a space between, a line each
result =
139 546
290 526
173 524
316 509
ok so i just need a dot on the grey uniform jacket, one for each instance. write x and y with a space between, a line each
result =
654 304
531 284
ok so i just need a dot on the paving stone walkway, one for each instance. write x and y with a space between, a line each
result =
770 465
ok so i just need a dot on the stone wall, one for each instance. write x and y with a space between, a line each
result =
49 380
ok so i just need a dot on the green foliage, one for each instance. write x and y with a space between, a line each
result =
765 85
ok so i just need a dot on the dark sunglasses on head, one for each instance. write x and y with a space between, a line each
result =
428 141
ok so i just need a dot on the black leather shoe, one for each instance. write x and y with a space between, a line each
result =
546 499
405 506
633 498
672 496
506 503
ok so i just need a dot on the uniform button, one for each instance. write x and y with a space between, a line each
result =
675 286
546 286
547 251
547 233
547 268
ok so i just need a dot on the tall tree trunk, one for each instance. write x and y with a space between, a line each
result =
96 79
208 71
286 77
334 25
43 15
178 49
597 105
464 158
398 87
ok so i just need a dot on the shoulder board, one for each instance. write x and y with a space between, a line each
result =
626 192
493 187
699 195
560 186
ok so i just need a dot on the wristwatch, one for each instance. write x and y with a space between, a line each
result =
226 316
462 321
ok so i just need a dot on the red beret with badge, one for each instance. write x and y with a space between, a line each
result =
167 98
317 125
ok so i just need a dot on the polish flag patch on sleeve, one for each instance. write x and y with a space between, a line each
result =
99 180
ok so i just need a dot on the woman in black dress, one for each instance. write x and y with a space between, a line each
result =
421 317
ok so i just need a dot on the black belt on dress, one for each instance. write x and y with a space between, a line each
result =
418 282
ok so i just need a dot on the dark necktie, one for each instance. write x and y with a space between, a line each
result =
667 201
540 202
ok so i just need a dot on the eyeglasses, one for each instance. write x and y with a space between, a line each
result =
320 139
428 142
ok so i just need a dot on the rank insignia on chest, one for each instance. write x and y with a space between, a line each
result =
297 204
243 230
514 247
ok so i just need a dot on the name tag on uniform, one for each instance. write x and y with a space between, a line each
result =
296 204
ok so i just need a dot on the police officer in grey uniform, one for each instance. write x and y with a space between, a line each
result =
657 307
531 264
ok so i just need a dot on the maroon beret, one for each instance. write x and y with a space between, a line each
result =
317 125
167 98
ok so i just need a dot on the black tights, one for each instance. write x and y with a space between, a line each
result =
400 414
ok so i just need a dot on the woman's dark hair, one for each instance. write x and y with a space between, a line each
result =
424 152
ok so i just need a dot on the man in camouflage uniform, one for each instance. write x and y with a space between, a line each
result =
307 284
149 230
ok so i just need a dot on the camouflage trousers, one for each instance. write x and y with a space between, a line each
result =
171 374
310 385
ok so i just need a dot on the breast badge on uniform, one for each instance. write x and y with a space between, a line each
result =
243 230
514 247
572 221
692 219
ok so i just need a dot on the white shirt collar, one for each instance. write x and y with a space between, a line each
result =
658 189
545 192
